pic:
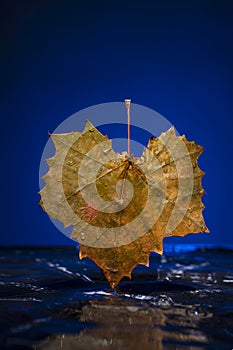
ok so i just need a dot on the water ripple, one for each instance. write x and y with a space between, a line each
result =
51 300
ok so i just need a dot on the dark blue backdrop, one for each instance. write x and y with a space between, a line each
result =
58 57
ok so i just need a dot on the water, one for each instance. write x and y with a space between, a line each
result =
51 300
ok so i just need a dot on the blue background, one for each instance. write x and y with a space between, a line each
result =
58 57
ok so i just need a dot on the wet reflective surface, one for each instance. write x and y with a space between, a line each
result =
51 300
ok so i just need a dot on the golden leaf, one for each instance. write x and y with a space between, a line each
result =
122 207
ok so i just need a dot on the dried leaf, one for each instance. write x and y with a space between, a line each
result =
122 207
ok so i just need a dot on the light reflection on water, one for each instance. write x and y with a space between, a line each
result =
51 300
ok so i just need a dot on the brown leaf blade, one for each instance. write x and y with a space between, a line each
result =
121 207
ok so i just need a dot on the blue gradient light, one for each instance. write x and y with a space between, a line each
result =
60 57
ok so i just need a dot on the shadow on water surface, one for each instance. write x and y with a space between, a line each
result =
51 300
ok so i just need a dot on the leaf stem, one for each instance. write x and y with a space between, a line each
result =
127 104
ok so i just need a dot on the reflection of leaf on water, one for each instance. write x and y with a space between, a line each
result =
121 228
128 325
